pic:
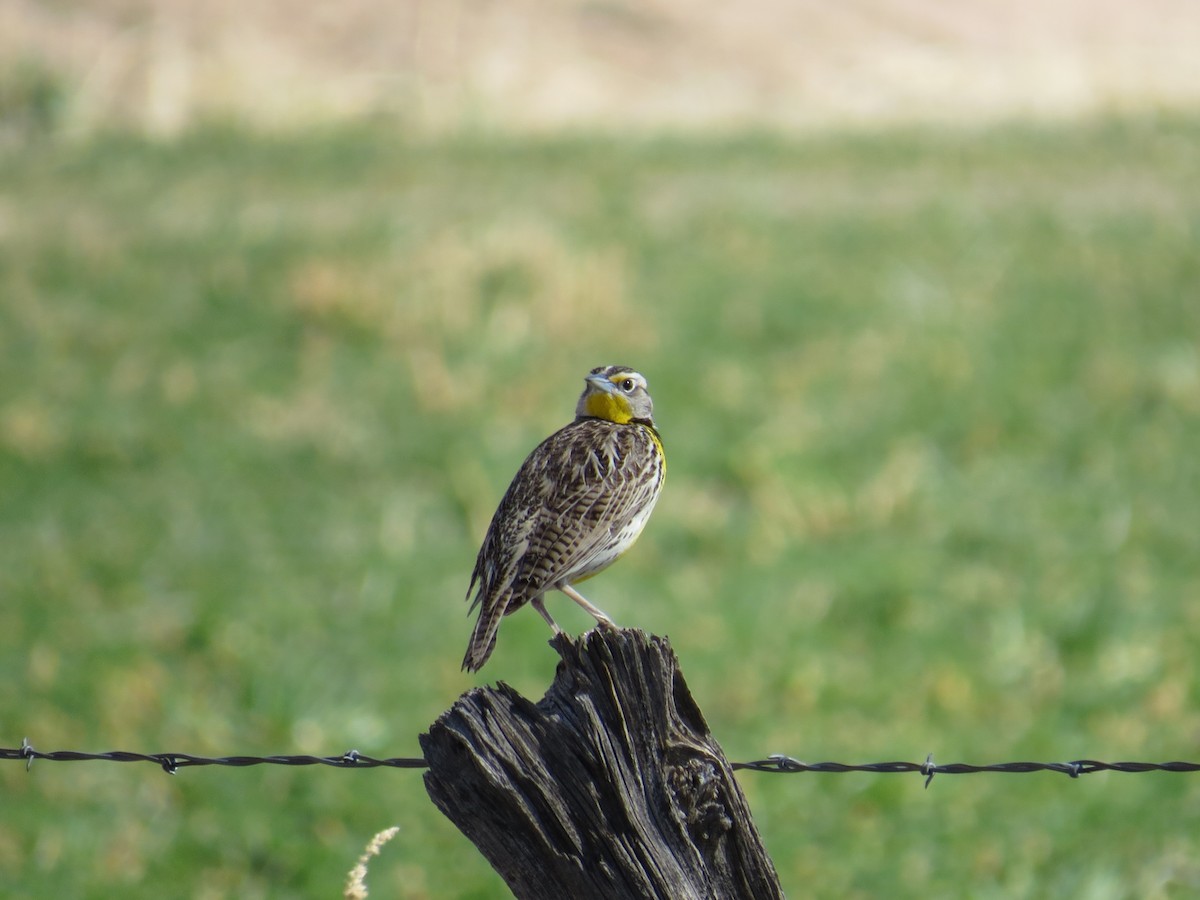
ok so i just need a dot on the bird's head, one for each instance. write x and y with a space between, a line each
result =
618 394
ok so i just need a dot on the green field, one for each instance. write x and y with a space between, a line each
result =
932 408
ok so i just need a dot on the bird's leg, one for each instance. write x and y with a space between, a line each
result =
539 603
603 620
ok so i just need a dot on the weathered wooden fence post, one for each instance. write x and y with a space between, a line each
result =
610 786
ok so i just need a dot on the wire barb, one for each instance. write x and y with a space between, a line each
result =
27 752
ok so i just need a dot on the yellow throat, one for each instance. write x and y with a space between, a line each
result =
613 407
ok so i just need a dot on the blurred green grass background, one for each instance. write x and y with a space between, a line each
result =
932 408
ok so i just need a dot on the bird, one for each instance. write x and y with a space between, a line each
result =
578 502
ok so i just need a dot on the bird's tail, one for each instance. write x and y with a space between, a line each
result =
483 638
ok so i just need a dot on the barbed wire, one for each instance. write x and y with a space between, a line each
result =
777 763
173 762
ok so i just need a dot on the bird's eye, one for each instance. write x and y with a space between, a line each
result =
627 385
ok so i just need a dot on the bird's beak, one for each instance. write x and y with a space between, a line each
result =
601 382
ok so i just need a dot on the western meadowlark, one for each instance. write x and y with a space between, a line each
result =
577 503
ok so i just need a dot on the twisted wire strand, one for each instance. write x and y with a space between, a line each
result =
173 762
781 764
777 763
